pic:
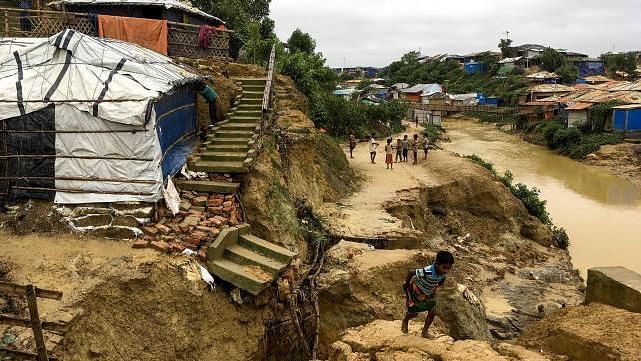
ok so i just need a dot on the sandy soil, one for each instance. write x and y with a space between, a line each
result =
363 214
621 159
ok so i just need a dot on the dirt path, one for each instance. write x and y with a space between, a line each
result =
362 214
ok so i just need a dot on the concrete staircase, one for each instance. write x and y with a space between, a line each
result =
246 261
230 148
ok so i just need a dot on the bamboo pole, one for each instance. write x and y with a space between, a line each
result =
24 322
18 290
36 326
82 191
81 179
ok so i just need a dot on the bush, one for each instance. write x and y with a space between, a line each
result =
565 138
480 161
561 238
431 132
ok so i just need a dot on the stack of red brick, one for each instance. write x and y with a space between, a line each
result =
202 216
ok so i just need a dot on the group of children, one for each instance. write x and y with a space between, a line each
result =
401 149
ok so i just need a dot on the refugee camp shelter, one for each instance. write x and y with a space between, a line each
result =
627 119
578 113
414 94
89 120
170 10
474 67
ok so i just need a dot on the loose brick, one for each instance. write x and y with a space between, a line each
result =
177 248
200 201
227 203
185 206
160 246
150 231
203 229
141 243
163 229
229 197
202 255
216 202
184 228
191 220
199 209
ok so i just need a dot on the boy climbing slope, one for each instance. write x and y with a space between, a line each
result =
420 290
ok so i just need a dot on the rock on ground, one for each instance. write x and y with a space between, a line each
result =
382 340
588 333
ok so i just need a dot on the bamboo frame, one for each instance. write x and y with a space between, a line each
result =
114 180
81 191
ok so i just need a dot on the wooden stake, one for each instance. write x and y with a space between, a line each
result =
35 324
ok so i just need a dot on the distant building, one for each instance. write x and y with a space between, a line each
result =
590 67
474 67
543 77
547 90
395 90
170 10
415 93
578 113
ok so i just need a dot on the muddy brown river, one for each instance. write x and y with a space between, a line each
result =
600 211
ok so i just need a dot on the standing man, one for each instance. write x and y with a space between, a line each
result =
352 145
406 148
416 120
372 149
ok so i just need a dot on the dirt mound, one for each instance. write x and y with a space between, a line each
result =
292 119
360 285
129 304
588 333
237 70
623 159
382 340
472 200
288 96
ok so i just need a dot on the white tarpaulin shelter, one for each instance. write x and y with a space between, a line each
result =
91 120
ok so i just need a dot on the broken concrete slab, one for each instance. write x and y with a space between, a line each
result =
615 286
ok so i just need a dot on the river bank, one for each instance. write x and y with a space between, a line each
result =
598 209
504 258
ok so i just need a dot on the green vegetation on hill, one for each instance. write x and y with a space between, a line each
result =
452 76
338 116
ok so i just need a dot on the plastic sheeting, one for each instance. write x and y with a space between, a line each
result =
111 79
105 151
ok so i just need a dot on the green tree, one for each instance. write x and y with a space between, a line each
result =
569 73
300 41
506 48
552 59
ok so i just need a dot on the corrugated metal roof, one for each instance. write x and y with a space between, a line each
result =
628 107
551 88
168 4
543 75
510 60
636 86
610 84
597 79
579 106
425 89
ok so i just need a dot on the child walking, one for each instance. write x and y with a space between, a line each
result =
372 149
389 154
420 290
399 150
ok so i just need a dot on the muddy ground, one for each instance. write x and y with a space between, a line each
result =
621 159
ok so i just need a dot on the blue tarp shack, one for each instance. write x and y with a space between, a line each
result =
590 67
474 67
627 118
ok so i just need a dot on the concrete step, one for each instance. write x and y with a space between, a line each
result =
257 107
228 141
224 156
208 186
244 119
250 101
249 113
254 87
248 127
219 167
253 95
265 248
251 81
227 148
240 134
240 276
241 255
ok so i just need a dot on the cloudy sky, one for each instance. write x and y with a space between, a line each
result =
376 32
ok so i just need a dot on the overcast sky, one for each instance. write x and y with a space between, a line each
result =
377 32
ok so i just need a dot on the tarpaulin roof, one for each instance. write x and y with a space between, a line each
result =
551 88
425 89
168 4
111 79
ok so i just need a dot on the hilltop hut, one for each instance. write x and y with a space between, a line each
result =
89 120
